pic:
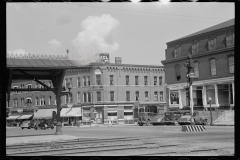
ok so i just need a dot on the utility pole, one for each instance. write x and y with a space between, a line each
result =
190 75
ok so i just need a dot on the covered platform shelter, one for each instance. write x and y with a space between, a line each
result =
37 68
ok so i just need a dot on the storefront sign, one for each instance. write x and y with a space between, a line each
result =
176 87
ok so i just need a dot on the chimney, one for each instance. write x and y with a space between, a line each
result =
118 60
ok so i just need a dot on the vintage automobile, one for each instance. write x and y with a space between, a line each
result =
198 120
157 120
44 124
172 117
26 124
145 118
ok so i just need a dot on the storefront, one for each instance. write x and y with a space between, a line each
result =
70 116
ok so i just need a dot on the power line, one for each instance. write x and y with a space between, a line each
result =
179 15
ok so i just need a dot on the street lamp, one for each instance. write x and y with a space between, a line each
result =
210 99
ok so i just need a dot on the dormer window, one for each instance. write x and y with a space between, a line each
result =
230 40
195 48
212 44
177 51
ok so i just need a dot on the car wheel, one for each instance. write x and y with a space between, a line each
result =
176 123
28 127
52 127
148 123
140 124
22 128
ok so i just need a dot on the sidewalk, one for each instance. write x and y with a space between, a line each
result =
224 123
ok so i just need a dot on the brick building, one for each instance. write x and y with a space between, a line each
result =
102 90
212 51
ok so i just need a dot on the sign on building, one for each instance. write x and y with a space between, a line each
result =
104 57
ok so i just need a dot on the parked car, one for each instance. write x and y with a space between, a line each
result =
185 120
199 120
26 124
145 118
157 120
44 124
172 117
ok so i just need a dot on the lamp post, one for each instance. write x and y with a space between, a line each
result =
210 99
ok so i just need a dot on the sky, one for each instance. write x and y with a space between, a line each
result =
137 32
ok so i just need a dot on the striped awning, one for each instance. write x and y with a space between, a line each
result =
64 112
44 113
25 116
74 112
13 117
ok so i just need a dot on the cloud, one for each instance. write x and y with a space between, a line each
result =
54 43
18 51
91 41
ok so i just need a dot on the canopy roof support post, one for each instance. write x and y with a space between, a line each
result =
57 83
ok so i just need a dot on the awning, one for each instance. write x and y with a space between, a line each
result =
44 113
13 117
74 112
25 116
64 112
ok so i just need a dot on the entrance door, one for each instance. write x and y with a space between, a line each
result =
199 98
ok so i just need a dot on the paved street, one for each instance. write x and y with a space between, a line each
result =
214 136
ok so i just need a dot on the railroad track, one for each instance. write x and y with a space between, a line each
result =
130 146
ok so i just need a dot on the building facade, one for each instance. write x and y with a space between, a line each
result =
212 52
104 91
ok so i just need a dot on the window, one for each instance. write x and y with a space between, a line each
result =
78 82
36 101
174 98
50 84
67 98
160 81
70 98
230 40
88 79
231 64
127 96
155 80
98 79
98 96
137 96
212 44
42 101
111 79
70 83
84 81
85 97
194 48
178 72
21 102
89 97
127 80
111 96
29 86
177 51
145 80
213 67
78 97
136 80
155 96
66 82
196 72
49 100
146 96
55 101
15 87
161 96
15 103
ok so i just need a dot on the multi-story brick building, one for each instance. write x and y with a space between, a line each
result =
103 91
212 51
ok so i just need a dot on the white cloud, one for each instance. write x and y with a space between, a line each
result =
92 39
54 43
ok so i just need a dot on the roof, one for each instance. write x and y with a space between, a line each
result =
124 65
225 24
44 63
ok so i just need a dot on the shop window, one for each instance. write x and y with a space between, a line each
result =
127 80
231 64
230 40
155 80
145 80
174 97
98 79
137 96
111 79
213 67
155 96
178 72
194 48
136 80
196 71
98 96
127 96
212 44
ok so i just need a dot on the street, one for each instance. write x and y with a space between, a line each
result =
218 139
